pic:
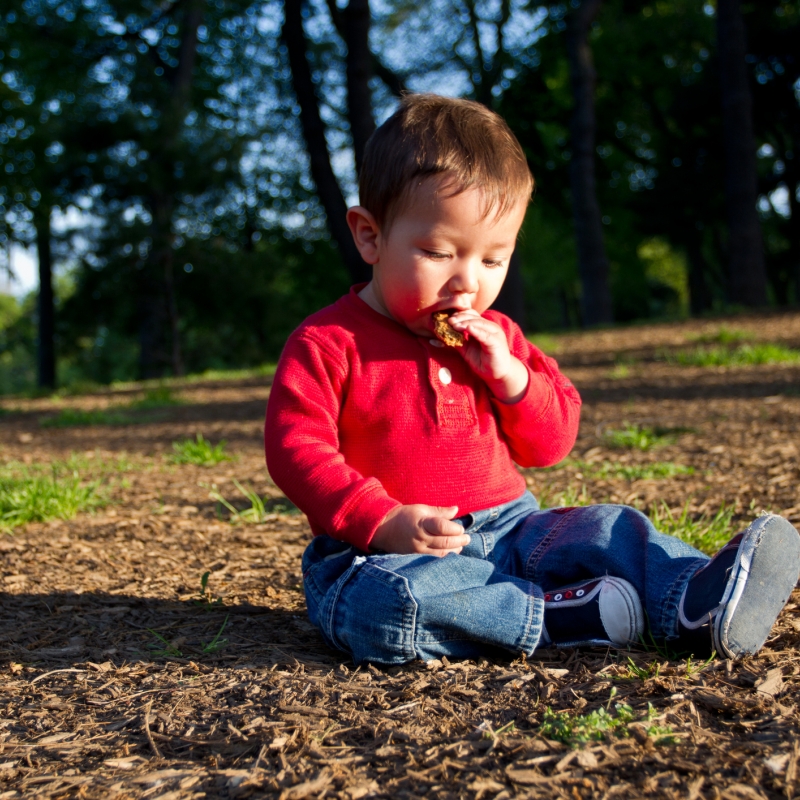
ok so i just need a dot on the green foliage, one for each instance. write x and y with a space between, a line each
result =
707 533
198 451
285 282
652 670
26 495
216 644
668 273
17 345
165 649
576 730
742 355
207 599
642 437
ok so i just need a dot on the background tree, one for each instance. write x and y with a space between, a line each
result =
592 262
169 137
746 273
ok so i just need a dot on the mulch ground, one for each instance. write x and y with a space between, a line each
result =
123 676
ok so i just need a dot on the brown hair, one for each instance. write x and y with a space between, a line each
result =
431 135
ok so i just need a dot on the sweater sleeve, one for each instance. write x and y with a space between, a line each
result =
541 428
302 445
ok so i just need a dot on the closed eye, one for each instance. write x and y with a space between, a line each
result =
493 262
435 256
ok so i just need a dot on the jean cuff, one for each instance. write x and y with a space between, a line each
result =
668 623
532 634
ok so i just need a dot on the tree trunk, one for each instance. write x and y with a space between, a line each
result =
328 190
747 273
596 305
794 236
46 351
511 300
700 299
159 331
355 24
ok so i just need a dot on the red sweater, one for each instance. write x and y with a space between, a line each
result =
364 416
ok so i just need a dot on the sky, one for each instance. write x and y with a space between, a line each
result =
25 270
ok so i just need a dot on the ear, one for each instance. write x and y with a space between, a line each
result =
366 233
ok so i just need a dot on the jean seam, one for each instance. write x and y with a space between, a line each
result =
536 555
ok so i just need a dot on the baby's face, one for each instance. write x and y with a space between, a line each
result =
441 253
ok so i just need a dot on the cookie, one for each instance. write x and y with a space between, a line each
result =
445 332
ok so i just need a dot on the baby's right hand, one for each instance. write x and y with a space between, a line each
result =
427 530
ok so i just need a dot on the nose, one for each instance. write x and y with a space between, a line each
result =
464 278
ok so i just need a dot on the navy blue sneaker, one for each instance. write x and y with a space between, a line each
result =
731 603
600 611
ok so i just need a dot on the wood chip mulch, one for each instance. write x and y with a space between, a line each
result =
122 677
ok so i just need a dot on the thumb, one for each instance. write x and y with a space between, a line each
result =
448 512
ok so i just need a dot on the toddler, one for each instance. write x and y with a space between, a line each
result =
400 449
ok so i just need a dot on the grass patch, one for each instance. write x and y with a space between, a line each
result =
123 414
199 451
26 496
641 437
576 730
568 498
606 470
260 508
76 417
545 342
157 397
261 371
740 356
707 533
723 336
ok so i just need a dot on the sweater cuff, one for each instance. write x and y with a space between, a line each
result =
530 407
360 518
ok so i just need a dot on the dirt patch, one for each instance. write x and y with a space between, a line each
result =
125 676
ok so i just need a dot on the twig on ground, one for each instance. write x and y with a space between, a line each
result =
147 729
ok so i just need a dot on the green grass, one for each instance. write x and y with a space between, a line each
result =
567 498
260 508
263 370
576 730
641 437
723 336
122 414
545 342
739 356
157 397
606 470
76 417
707 533
26 496
198 451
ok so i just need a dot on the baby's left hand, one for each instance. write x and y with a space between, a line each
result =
487 353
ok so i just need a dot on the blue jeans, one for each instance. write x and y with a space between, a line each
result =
391 609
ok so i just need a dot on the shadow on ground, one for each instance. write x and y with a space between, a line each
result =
61 629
